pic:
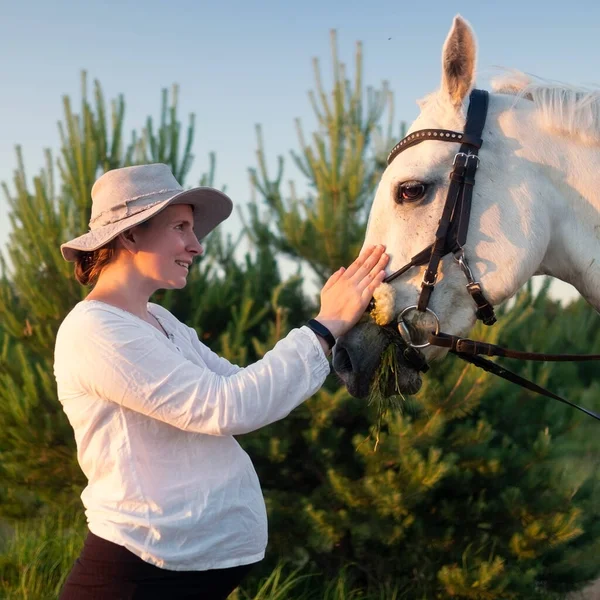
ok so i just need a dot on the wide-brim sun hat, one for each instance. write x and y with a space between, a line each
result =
125 197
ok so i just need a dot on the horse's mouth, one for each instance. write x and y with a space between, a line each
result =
402 379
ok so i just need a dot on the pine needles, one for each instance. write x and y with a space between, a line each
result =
385 392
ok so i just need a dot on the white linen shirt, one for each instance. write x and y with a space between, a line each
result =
154 420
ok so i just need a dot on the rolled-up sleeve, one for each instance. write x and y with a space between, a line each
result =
117 360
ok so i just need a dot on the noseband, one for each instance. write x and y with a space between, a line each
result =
451 237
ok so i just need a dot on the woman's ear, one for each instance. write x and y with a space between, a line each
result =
127 240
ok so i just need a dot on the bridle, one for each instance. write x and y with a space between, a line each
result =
451 237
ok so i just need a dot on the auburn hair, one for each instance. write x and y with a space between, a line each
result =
89 265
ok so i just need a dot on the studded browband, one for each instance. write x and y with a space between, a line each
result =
445 135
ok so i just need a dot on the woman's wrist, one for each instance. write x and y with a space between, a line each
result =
335 326
324 345
326 330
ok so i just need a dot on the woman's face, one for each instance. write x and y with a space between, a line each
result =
166 247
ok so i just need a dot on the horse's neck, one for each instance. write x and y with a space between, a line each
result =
573 253
564 182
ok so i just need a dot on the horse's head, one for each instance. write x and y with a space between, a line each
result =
508 229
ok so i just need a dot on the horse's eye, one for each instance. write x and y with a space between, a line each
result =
411 191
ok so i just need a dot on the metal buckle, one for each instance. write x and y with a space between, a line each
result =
467 157
429 283
476 157
458 342
405 333
460 154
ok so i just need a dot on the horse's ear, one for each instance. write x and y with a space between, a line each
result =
458 61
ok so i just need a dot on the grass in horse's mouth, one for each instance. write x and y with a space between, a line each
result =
385 392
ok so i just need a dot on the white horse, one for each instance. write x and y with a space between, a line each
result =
535 209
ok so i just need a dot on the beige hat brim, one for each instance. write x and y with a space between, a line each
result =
211 208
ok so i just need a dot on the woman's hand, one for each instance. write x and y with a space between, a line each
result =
347 293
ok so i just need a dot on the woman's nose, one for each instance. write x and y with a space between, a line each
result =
195 247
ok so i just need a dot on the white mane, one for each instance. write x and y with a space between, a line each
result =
562 108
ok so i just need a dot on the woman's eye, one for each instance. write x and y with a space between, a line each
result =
411 191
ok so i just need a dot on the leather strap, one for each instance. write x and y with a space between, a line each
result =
469 351
500 371
466 346
445 135
485 311
476 116
416 359
439 245
451 234
415 261
459 226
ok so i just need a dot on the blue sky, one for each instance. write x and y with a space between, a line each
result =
241 63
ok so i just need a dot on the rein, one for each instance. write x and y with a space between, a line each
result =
451 237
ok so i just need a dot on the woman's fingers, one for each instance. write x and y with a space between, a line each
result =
362 257
368 263
332 280
377 269
348 291
370 289
346 294
362 280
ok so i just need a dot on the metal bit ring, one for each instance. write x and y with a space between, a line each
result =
404 331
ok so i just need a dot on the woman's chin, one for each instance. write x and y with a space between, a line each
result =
175 283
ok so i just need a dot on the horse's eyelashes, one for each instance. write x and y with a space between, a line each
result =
410 191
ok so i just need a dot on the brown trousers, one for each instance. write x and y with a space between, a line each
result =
107 571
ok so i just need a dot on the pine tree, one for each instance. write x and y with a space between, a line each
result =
324 228
476 490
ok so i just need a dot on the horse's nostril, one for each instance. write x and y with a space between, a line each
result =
341 361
